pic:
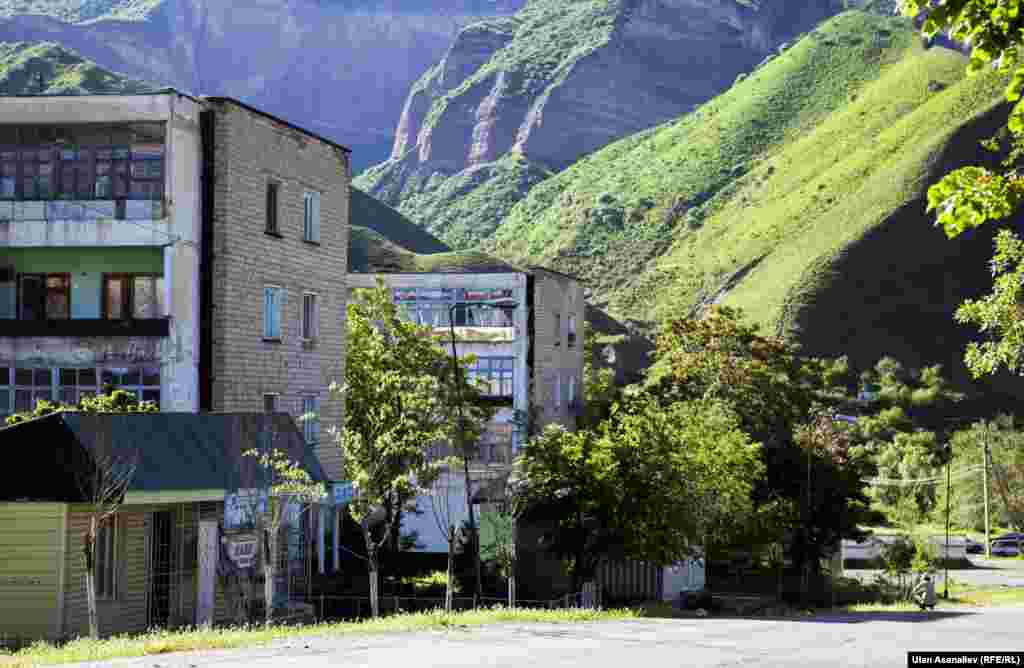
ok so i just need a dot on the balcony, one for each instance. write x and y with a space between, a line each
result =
495 448
86 328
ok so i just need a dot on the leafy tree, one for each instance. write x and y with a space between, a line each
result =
599 390
399 416
778 396
284 487
972 196
650 483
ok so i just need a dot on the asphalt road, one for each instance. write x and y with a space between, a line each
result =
861 640
1008 572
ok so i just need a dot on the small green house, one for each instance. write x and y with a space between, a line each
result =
160 561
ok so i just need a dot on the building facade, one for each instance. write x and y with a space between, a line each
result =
524 327
177 247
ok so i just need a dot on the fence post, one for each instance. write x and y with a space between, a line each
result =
321 607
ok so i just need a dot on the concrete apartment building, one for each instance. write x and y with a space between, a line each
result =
529 352
191 250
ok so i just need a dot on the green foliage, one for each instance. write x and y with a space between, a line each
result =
112 401
286 483
23 64
433 582
82 11
1005 479
398 374
497 541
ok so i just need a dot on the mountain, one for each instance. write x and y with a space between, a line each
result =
24 66
338 67
518 98
797 195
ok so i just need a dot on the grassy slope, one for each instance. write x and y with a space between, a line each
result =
81 11
547 38
468 206
655 180
62 71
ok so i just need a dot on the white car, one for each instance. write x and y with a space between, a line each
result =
1005 548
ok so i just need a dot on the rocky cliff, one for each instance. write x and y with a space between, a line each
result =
339 67
560 79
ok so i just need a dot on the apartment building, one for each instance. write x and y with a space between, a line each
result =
185 249
525 328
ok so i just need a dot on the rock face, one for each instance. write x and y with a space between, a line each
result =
339 67
562 78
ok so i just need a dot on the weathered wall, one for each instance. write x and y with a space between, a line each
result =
554 360
250 150
31 545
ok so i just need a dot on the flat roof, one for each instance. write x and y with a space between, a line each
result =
200 100
260 112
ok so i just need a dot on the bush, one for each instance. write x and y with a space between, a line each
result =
433 583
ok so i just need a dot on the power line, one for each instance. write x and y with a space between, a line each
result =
921 481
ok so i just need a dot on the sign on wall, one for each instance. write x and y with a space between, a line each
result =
242 550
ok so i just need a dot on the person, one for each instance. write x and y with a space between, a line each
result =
925 593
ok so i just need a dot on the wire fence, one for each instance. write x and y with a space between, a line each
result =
334 607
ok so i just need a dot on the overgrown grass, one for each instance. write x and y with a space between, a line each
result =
163 642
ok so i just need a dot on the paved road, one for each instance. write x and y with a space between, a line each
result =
1009 572
843 641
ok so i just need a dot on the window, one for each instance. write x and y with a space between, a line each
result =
309 317
45 296
143 382
311 426
132 296
76 384
31 385
6 393
106 559
558 329
558 391
272 297
311 217
572 389
272 189
572 331
270 403
497 374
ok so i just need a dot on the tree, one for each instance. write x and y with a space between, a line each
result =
776 394
443 507
1005 476
973 196
103 481
498 545
284 485
398 412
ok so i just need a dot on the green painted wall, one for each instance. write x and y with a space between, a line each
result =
86 260
31 542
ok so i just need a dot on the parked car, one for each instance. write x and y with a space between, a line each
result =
974 547
1005 548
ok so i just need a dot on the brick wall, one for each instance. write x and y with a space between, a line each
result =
250 151
553 357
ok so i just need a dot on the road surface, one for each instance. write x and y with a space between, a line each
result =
845 641
1008 572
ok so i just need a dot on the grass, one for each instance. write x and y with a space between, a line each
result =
62 71
670 179
163 642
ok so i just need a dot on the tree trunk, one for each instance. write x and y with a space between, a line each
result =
474 533
270 543
374 593
89 553
451 562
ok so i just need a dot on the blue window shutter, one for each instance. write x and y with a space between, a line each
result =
316 218
268 313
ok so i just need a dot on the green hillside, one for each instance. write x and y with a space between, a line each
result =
389 224
23 65
605 216
81 11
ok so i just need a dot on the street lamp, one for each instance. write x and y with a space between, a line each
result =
496 303
945 579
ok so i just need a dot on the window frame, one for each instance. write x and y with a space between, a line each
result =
272 209
311 216
311 428
46 290
278 291
128 304
311 319
558 329
276 396
571 334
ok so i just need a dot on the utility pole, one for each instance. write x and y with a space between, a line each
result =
984 467
945 560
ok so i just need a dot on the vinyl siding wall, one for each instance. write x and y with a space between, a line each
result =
30 569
